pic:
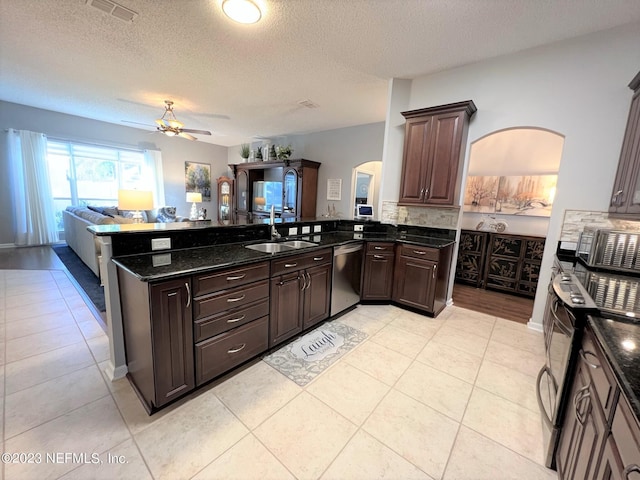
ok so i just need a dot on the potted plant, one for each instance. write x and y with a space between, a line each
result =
245 151
283 152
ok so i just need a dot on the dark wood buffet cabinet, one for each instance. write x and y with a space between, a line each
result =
434 147
625 198
500 261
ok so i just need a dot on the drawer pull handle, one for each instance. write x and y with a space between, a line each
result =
630 469
237 299
290 265
237 277
317 259
419 252
237 319
435 267
379 257
584 354
237 349
186 284
379 248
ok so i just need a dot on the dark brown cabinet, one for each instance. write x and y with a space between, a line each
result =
377 275
513 263
300 293
158 334
471 257
434 147
625 198
291 186
421 275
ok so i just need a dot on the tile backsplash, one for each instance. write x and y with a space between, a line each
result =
575 221
420 216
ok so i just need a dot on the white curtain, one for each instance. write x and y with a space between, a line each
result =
153 172
33 208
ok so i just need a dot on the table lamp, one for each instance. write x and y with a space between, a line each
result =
135 200
194 197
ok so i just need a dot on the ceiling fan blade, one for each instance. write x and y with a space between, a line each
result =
199 132
186 135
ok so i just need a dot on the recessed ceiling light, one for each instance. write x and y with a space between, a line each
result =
241 11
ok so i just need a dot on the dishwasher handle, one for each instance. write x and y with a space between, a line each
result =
347 249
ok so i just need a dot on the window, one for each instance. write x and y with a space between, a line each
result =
83 174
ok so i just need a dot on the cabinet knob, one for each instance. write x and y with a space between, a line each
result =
617 198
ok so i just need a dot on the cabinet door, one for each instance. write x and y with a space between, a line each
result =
444 158
242 191
172 333
625 197
286 307
583 432
611 467
378 277
471 255
317 295
415 283
290 193
414 168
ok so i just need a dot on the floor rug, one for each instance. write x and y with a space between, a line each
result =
82 274
305 358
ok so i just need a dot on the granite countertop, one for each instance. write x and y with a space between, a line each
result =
620 340
172 263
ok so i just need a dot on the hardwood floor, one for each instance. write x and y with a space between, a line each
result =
503 305
29 258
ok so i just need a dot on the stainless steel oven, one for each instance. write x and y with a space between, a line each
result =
568 305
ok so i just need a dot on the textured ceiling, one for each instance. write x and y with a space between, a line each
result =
245 81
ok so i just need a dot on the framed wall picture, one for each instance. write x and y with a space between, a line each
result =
334 189
197 178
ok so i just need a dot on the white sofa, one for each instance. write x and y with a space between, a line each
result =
85 244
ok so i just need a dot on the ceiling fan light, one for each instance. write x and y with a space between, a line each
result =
160 122
175 123
241 11
169 133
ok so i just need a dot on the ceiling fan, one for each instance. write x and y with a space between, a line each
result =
171 126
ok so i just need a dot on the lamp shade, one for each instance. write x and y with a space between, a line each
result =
135 200
194 197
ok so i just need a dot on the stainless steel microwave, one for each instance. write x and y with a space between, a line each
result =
614 249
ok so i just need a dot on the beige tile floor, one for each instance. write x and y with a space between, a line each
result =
420 398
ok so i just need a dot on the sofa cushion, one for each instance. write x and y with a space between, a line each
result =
108 211
119 219
91 216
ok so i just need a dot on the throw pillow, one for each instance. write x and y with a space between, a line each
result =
130 213
166 215
107 211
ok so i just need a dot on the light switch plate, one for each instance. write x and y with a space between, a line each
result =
317 228
358 228
293 230
306 229
160 243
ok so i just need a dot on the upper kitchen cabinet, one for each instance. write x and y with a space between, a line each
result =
290 186
434 146
625 198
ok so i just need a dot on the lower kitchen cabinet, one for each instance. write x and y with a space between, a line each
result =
421 276
377 275
300 293
158 335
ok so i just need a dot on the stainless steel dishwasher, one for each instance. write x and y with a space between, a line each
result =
347 270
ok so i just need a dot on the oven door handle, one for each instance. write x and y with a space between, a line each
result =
545 415
561 326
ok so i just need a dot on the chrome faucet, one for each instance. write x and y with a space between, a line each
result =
272 222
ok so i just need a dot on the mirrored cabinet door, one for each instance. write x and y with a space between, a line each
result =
225 200
290 193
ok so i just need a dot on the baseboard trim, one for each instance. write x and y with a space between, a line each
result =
115 373
7 245
534 326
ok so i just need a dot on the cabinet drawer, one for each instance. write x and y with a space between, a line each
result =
599 371
220 354
298 262
380 248
218 324
225 279
416 251
237 297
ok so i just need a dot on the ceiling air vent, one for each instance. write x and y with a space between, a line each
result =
113 9
308 104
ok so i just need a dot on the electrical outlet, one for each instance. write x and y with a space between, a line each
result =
358 228
317 228
293 230
306 229
317 238
357 236
160 243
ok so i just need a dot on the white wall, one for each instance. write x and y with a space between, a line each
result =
577 88
175 151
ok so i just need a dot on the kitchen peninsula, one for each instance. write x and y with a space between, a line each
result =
205 303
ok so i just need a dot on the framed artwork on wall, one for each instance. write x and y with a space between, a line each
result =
197 178
530 195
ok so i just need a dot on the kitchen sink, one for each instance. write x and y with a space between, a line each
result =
299 244
277 247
